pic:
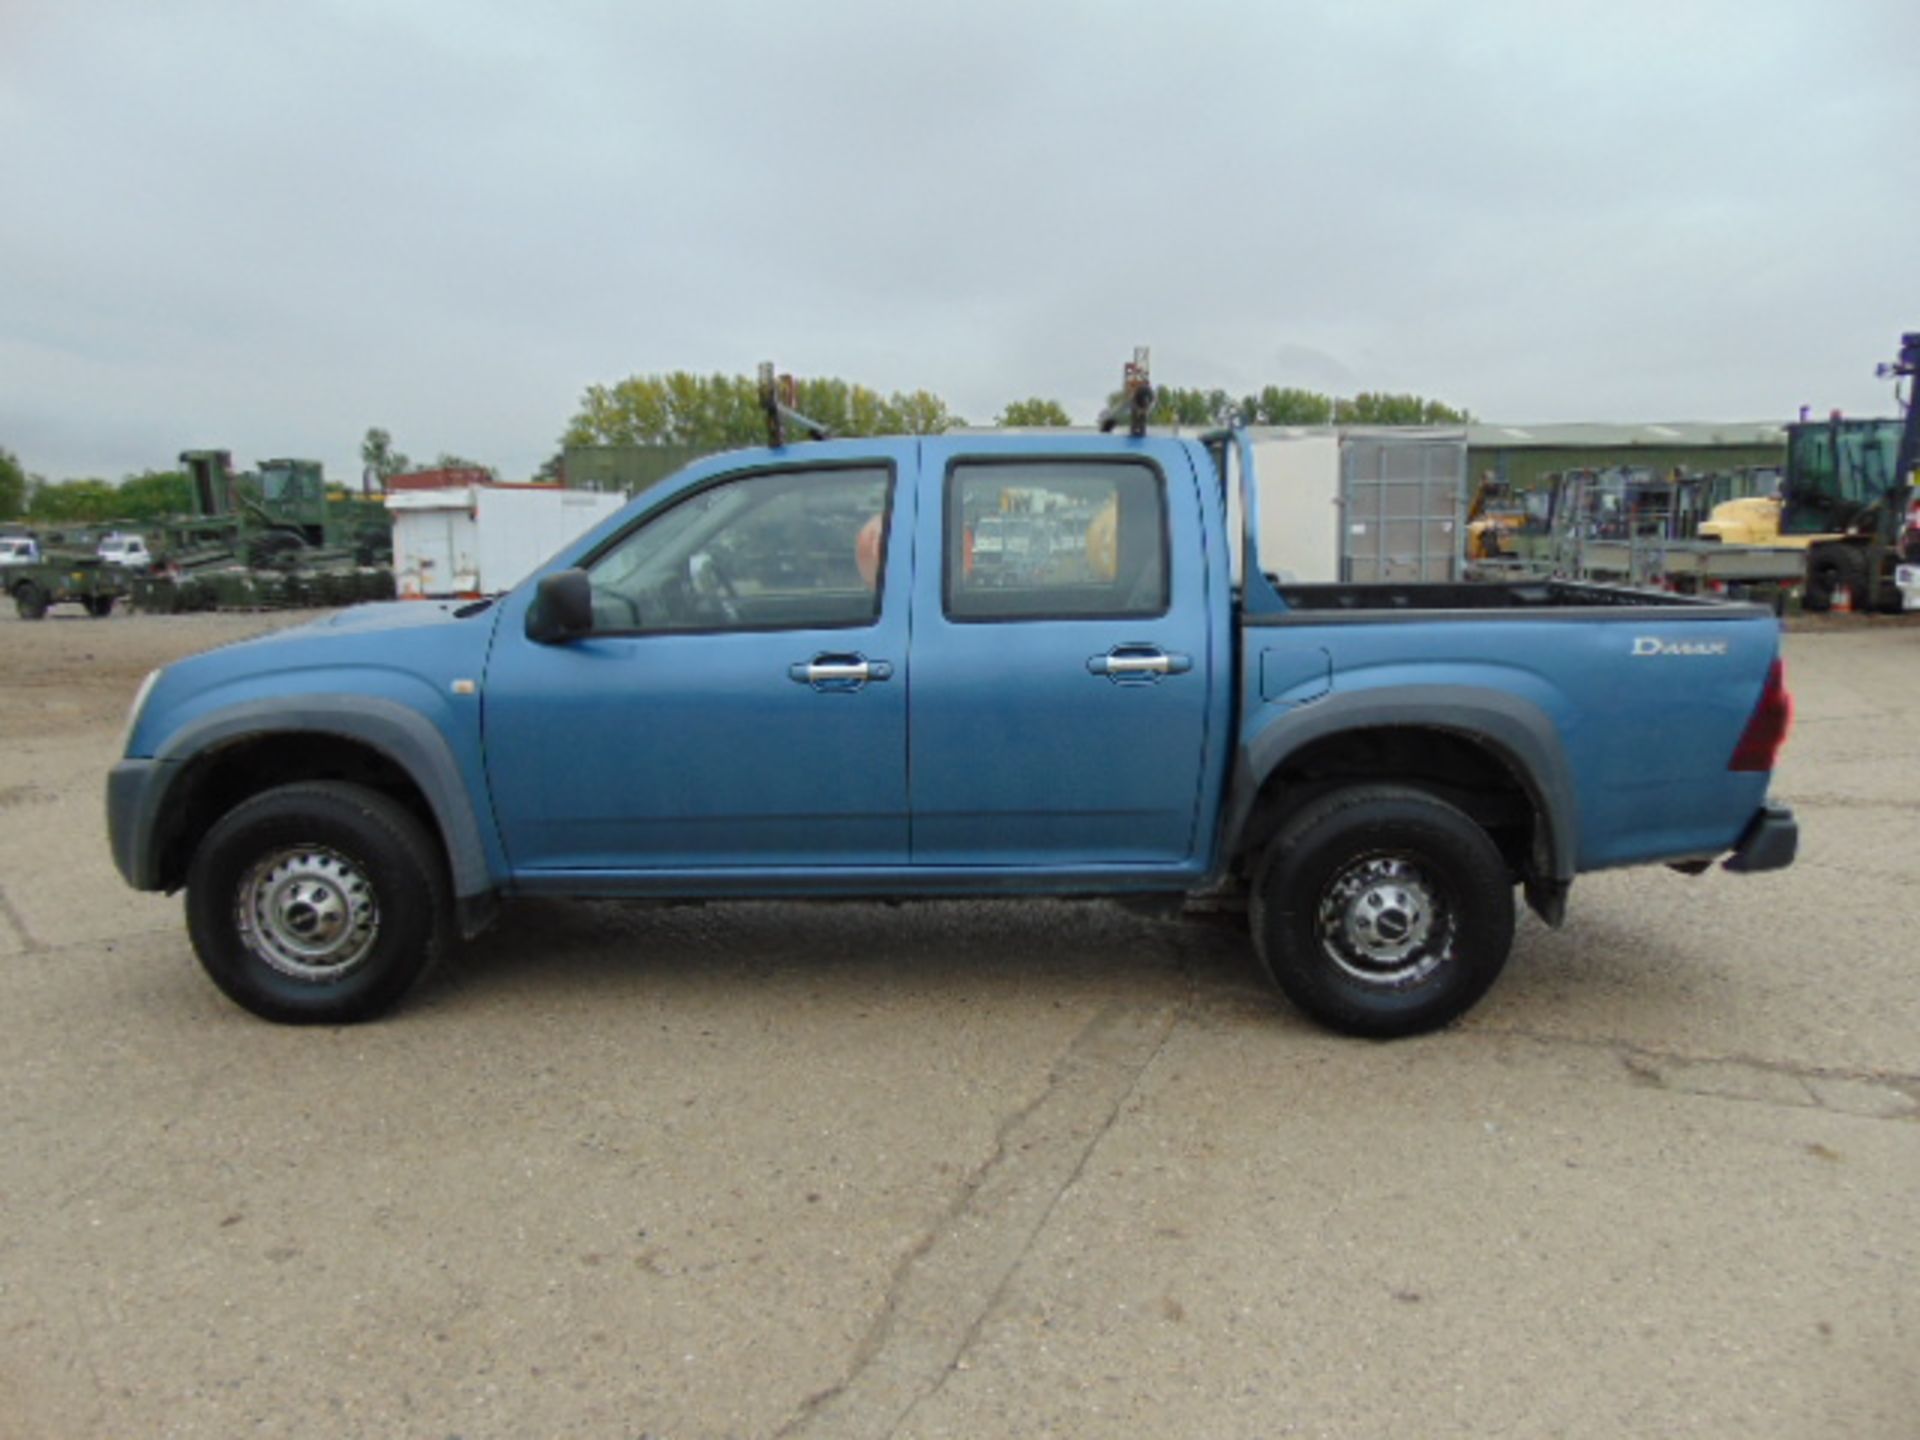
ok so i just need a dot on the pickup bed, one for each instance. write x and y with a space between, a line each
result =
960 665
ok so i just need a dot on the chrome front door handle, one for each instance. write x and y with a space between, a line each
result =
1138 662
839 672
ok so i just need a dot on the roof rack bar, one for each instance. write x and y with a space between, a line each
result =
776 398
1136 397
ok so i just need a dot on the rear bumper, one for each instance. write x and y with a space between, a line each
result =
1771 841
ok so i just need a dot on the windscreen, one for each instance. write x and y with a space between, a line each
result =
1837 469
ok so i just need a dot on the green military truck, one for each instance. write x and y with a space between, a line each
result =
263 539
37 581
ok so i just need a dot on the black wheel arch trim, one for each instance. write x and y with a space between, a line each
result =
404 736
1515 730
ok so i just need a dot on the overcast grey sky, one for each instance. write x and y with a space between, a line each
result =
266 226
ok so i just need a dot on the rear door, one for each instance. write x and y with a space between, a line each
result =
1062 670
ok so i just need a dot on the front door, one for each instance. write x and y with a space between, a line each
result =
1062 666
742 698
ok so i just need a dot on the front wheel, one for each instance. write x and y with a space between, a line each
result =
1382 911
30 602
99 606
317 903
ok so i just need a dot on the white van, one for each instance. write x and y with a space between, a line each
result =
127 550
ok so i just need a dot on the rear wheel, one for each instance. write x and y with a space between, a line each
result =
1382 911
30 601
317 903
99 606
1829 567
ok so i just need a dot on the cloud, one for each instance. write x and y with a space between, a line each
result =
267 228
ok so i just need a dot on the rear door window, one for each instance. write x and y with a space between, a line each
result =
1050 540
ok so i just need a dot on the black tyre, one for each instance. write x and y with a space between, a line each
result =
317 903
1382 911
1828 568
99 606
30 602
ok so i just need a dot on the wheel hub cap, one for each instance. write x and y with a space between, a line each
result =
1381 920
308 912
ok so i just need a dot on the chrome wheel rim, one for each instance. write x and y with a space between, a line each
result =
308 912
1384 921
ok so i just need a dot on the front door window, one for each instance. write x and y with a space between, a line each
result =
786 550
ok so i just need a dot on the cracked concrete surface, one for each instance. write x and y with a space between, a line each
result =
17 927
949 1282
967 1169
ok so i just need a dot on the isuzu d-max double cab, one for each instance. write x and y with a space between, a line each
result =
963 665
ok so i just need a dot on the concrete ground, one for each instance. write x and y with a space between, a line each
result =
971 1169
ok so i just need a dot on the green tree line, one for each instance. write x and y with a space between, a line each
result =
138 498
1034 412
1287 405
721 411
717 412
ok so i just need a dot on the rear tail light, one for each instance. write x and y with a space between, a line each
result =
1767 728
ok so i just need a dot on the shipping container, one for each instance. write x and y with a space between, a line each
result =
483 539
1352 504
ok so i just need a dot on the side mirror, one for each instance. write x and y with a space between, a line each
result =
562 607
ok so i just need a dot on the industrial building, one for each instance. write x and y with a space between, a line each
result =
1521 456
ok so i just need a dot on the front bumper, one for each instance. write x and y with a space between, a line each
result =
136 791
1771 841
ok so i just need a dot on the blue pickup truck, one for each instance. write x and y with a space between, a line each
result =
963 665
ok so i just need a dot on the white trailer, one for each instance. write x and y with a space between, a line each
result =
482 539
1352 503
